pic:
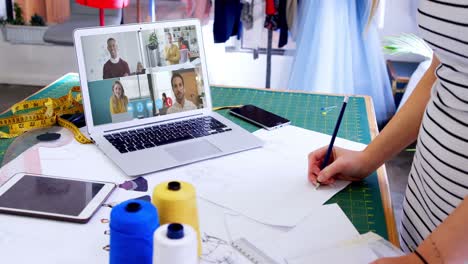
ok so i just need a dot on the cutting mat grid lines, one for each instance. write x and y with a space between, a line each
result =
361 201
304 110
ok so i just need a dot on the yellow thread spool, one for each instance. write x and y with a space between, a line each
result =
177 203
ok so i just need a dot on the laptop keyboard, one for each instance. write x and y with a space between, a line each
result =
149 137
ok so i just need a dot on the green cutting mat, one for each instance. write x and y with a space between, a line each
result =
360 201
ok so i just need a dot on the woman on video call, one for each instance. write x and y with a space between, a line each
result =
118 102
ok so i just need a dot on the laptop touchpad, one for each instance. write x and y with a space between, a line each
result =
192 150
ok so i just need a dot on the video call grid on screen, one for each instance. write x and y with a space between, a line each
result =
143 73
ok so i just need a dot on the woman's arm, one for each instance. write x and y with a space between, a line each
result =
166 53
399 133
447 244
403 129
176 55
111 106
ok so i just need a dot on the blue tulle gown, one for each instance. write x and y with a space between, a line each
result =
336 54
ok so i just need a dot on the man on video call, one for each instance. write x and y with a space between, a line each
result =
115 67
181 104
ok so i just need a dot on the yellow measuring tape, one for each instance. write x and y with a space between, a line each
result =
45 113
226 107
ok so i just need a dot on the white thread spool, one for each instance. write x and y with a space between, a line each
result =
175 243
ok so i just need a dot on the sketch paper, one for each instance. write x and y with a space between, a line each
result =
270 184
217 247
325 227
355 254
363 249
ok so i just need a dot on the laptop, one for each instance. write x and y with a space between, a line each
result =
123 97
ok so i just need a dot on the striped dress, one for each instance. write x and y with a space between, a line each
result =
438 180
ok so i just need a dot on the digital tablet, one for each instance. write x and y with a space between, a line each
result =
53 197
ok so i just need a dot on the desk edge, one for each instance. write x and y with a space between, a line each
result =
383 180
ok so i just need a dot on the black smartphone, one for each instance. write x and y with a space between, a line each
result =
260 117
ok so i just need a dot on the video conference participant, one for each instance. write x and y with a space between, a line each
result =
180 104
171 51
165 100
115 67
183 44
118 102
139 69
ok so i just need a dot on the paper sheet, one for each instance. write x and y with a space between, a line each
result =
62 153
363 249
270 184
88 163
357 254
325 227
262 236
216 242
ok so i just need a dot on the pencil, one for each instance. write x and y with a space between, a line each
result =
335 132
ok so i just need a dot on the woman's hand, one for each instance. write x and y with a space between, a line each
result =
344 165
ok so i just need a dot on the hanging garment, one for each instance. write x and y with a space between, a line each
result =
335 55
227 20
291 16
198 9
255 37
271 18
283 24
189 7
270 8
247 14
202 11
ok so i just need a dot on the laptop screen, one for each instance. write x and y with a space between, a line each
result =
144 73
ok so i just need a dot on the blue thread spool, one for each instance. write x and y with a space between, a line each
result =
132 225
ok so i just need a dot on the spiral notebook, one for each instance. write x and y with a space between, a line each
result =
251 252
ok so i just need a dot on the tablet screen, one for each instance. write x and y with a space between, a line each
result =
51 195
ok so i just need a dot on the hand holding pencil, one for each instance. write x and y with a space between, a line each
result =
329 163
344 165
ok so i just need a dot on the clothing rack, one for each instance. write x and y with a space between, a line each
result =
268 57
269 52
151 10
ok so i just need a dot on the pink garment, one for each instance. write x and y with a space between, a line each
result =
189 6
198 9
202 10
